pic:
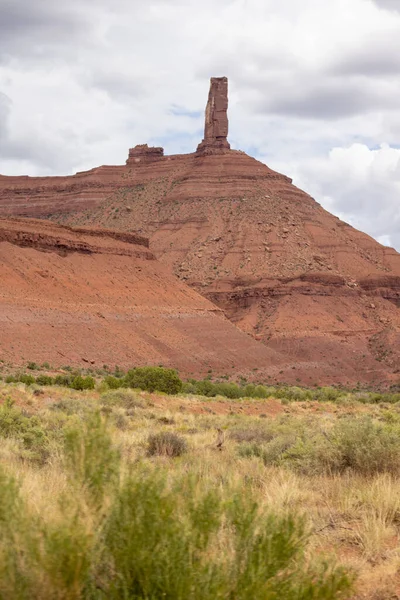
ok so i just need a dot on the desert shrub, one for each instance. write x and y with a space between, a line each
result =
44 380
39 558
366 447
71 406
91 460
82 383
26 379
124 398
11 514
207 548
120 421
153 535
376 398
230 390
63 380
166 443
327 394
33 366
209 389
11 379
27 430
189 387
154 379
252 434
118 372
167 420
258 391
361 445
274 452
202 388
113 382
295 394
250 450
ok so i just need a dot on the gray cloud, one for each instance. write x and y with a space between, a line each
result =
31 28
4 112
376 57
329 99
388 4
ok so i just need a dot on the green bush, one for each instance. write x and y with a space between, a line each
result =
82 383
114 383
27 430
366 447
166 443
44 380
91 460
230 390
27 379
33 366
75 381
63 380
360 445
154 379
184 544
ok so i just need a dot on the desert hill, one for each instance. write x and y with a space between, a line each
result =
81 296
282 268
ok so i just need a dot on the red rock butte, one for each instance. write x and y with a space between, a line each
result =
303 283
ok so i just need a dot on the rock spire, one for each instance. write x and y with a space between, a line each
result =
216 118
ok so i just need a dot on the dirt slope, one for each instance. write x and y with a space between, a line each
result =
96 297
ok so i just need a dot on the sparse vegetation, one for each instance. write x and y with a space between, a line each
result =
106 517
166 443
154 379
168 381
88 477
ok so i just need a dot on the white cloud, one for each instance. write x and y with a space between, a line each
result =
360 184
313 86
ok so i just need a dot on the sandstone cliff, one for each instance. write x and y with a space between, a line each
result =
282 268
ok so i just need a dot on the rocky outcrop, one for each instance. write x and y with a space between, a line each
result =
144 153
28 233
216 119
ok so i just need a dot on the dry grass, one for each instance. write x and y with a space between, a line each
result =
353 518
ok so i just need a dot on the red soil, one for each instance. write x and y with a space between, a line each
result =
81 297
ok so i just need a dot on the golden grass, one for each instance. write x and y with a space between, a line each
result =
352 518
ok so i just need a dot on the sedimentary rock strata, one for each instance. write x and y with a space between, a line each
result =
81 296
284 270
216 118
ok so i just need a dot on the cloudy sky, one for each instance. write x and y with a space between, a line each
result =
314 89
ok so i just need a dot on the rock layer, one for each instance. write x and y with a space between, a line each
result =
283 269
216 118
144 153
83 296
